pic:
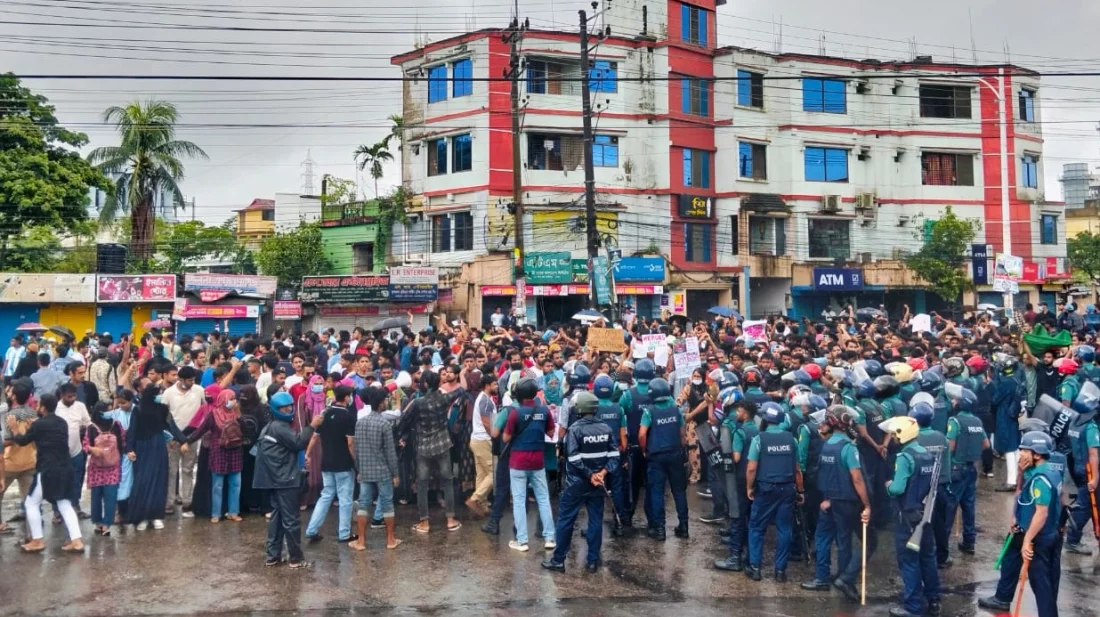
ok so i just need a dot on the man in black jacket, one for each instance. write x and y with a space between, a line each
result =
277 471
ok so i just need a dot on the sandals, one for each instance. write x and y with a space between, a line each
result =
454 527
300 565
419 529
72 549
23 547
233 517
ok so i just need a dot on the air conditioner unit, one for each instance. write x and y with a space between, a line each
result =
865 201
830 203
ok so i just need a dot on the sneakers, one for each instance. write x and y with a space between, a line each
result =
142 526
550 564
966 548
377 523
681 530
1005 488
704 493
491 527
158 524
848 589
816 585
515 545
711 519
780 576
188 514
550 545
729 564
898 611
754 573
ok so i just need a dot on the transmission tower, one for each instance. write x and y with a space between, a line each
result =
307 175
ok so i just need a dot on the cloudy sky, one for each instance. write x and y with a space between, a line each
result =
258 133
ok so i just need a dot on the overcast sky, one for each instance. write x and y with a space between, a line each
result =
330 119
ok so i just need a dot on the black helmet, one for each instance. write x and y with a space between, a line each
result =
1009 366
525 389
953 367
645 370
586 403
659 388
886 386
580 376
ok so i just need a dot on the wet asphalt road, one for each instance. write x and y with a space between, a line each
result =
195 568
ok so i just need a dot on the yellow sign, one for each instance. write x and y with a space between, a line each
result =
606 339
565 226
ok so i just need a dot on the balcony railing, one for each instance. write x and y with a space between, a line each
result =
349 213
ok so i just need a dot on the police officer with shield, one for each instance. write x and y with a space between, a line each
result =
1084 441
742 433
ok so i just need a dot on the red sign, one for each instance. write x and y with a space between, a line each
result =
137 288
1031 273
498 290
639 290
287 309
446 295
1053 271
328 310
184 311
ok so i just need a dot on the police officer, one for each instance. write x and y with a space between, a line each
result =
633 403
662 438
742 432
801 423
1086 358
578 382
592 457
967 439
902 372
935 441
612 415
845 501
774 482
931 381
814 371
1084 442
912 481
753 384
872 447
1034 531
1070 386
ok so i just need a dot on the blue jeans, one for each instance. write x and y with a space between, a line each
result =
383 491
77 463
537 480
104 499
580 493
772 501
216 482
919 576
964 485
334 484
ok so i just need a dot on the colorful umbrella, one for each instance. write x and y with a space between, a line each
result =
32 326
156 323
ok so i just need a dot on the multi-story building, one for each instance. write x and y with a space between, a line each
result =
744 172
255 222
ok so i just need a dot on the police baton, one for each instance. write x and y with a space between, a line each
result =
1023 584
1092 504
1004 549
863 575
614 511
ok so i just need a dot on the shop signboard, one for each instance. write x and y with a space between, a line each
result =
695 207
47 288
414 275
135 288
214 287
838 279
345 289
640 270
184 311
544 268
287 309
979 255
600 269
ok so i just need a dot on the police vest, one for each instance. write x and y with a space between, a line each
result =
794 421
895 407
941 411
1069 388
777 458
919 483
749 430
937 440
1079 449
1025 506
906 392
813 450
872 415
533 436
968 443
1089 372
664 430
819 389
833 479
588 440
759 397
610 414
638 401
1057 465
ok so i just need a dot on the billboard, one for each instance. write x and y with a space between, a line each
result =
135 288
47 288
214 287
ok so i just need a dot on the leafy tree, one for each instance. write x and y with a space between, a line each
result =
1083 251
392 209
941 260
337 191
147 163
179 243
43 179
397 130
374 156
293 254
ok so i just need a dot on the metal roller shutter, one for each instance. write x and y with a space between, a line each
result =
12 315
194 326
114 318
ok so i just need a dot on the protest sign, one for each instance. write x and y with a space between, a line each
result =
606 339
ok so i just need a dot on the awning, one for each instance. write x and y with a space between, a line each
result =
765 202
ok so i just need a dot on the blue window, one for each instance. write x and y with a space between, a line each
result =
693 25
1029 171
752 161
536 77
1027 105
463 72
826 165
1049 229
462 152
695 97
824 95
697 242
603 76
605 151
437 157
750 89
697 168
437 83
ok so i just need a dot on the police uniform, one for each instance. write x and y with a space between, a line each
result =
1083 437
612 415
744 434
941 530
775 452
805 519
755 395
967 432
1089 372
874 465
836 524
1069 388
665 460
941 411
633 404
592 447
910 486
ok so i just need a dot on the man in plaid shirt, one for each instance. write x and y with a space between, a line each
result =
376 459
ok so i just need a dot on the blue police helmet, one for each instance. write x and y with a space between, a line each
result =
1039 443
930 381
803 378
922 413
772 413
816 402
731 397
1086 353
645 370
866 389
964 398
603 387
727 380
659 388
873 368
580 376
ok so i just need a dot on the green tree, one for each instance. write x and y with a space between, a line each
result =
179 243
43 179
337 191
1083 251
392 209
941 260
147 163
293 254
397 130
374 156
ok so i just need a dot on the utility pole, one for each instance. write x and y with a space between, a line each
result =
515 69
591 232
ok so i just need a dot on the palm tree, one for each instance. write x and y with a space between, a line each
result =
374 156
145 164
397 129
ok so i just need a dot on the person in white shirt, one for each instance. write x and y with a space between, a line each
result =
12 357
481 445
76 416
497 318
183 400
270 361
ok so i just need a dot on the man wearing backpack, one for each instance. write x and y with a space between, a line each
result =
19 461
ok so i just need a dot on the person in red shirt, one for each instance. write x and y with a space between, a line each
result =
529 423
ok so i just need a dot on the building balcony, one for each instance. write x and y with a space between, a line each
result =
333 215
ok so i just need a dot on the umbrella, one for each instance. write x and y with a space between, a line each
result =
32 326
725 311
391 322
869 313
156 323
63 332
589 315
988 307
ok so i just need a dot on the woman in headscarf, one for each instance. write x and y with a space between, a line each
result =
200 500
222 424
310 404
695 401
252 412
147 447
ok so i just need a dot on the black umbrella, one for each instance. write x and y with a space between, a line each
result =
391 322
63 332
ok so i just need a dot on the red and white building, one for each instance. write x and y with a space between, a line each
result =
726 161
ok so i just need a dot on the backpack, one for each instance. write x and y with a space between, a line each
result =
232 436
107 443
20 458
250 429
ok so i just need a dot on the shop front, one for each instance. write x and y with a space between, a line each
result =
126 302
53 299
639 285
347 302
231 319
227 303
